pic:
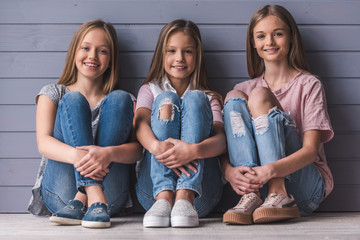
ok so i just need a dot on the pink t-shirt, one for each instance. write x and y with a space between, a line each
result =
146 99
304 99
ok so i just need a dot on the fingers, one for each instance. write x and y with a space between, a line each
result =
177 172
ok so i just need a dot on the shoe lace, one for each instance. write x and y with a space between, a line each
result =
244 202
273 199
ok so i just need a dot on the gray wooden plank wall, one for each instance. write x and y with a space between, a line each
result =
34 37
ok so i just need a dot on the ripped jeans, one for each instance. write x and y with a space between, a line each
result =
266 139
191 122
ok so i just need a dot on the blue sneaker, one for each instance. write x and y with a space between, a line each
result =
71 214
97 216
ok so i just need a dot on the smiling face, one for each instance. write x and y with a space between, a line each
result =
272 39
180 57
93 55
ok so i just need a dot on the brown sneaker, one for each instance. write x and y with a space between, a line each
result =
242 212
276 207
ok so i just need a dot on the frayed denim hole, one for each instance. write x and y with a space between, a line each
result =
261 124
167 101
237 124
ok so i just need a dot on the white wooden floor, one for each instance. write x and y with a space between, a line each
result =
319 226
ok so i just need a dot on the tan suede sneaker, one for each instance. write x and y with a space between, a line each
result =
242 212
276 207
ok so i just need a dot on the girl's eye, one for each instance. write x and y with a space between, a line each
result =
170 50
189 51
103 51
260 36
85 48
278 34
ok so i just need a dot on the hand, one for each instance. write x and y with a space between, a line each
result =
240 181
190 166
262 174
95 163
179 155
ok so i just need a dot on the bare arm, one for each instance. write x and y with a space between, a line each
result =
49 146
301 158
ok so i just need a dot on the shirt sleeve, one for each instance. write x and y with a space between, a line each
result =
145 98
316 116
216 110
53 91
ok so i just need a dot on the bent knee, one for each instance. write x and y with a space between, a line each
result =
235 93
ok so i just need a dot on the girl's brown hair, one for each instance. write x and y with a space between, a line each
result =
198 79
296 55
111 75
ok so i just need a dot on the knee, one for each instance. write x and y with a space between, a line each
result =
259 96
195 100
167 103
119 99
74 97
235 94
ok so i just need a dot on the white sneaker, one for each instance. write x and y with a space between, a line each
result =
184 214
158 215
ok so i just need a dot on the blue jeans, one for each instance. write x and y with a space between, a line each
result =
73 126
191 122
266 139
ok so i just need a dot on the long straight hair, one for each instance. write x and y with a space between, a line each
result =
296 55
111 75
198 79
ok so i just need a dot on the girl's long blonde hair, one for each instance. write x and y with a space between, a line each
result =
111 75
198 79
296 55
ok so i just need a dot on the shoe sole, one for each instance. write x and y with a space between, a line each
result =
236 218
156 222
181 221
266 215
65 221
95 224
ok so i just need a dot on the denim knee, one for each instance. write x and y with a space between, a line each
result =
196 100
74 97
119 99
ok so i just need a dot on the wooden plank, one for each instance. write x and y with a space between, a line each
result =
144 37
18 145
349 195
344 145
200 11
14 199
219 64
23 90
18 172
17 118
345 172
345 117
342 90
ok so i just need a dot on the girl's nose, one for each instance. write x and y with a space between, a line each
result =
269 40
93 55
179 57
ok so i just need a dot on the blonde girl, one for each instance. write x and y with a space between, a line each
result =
83 126
179 123
276 124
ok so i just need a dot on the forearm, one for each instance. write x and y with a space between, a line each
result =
127 153
292 163
58 151
212 146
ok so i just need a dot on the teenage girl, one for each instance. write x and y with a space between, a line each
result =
276 124
82 126
178 121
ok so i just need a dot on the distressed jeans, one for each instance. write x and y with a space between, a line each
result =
266 139
73 126
191 122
